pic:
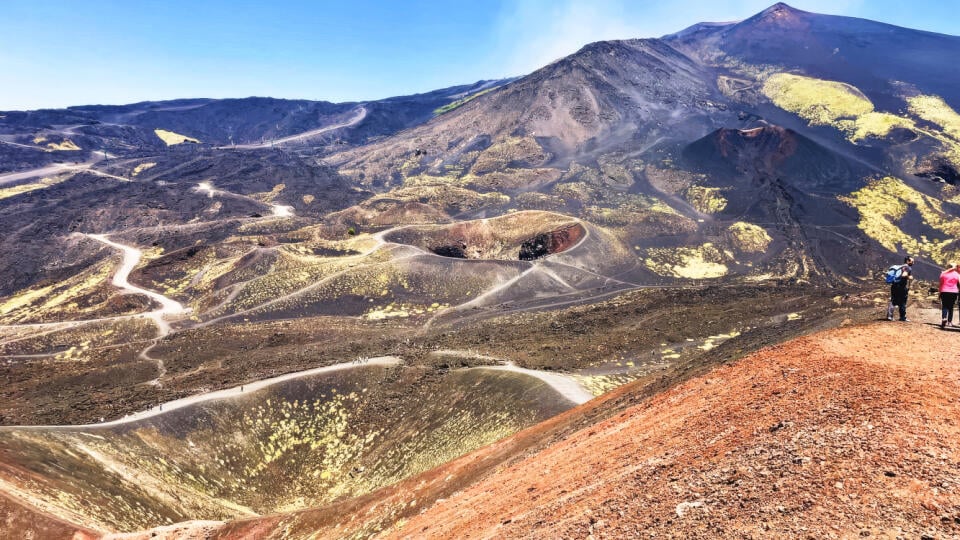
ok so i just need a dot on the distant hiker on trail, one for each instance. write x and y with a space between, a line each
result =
949 281
899 277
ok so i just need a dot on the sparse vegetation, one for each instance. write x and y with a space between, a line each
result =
749 238
462 101
706 199
883 206
700 262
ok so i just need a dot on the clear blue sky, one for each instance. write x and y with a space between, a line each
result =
55 53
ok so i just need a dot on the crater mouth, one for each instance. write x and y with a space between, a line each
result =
523 236
552 242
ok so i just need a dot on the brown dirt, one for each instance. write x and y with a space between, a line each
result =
851 432
29 522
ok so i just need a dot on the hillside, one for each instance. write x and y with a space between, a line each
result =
839 434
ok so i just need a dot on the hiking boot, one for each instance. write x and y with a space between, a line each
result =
889 317
904 320
943 324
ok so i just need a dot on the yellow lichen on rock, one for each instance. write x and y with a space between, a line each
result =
749 238
171 138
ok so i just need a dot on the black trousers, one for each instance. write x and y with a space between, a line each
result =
947 301
898 297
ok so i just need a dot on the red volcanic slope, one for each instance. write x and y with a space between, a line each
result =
848 433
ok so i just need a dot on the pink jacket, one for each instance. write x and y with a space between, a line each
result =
949 281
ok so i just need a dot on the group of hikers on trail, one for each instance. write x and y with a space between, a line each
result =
899 277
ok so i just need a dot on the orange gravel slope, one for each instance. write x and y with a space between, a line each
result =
854 432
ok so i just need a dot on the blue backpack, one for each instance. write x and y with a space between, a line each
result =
894 273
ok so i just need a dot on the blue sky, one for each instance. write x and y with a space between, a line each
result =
56 53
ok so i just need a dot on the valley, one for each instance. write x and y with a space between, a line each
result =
266 318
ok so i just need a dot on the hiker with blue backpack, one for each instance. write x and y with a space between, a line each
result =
949 281
899 276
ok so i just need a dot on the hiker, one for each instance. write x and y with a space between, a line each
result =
899 288
949 281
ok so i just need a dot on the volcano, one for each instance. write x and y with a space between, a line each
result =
239 317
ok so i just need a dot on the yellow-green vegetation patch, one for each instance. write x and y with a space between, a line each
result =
818 101
509 150
513 179
533 200
883 203
431 180
749 238
39 139
934 109
291 275
462 101
64 146
269 196
706 199
27 188
711 342
171 138
700 262
832 103
307 199
598 385
622 209
574 191
877 124
142 167
444 196
60 300
400 310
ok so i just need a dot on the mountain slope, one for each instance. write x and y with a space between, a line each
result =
828 435
606 95
870 55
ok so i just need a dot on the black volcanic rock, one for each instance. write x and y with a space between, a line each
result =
608 95
773 151
868 54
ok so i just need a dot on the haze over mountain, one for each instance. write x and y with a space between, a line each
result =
623 218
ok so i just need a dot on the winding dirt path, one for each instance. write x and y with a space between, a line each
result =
277 210
56 168
564 385
228 393
360 114
131 257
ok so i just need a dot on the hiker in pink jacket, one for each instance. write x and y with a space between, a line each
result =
949 279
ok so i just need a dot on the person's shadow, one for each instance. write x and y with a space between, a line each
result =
946 328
